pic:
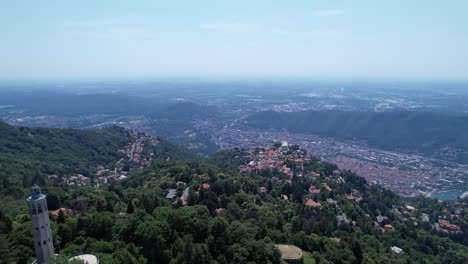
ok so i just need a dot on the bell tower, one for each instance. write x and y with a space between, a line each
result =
42 235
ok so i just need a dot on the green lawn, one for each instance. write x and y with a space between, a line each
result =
308 259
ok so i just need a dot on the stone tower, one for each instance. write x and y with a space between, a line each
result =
42 235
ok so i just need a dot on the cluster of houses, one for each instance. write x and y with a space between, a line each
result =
133 155
445 220
102 176
315 192
409 213
443 225
135 150
271 158
73 180
281 158
263 159
287 160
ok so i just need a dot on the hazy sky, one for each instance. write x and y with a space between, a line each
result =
375 39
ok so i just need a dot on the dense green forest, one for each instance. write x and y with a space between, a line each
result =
221 214
29 155
426 133
33 152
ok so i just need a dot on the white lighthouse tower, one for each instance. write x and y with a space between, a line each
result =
42 235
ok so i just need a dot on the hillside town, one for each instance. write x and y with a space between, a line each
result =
276 158
136 154
408 175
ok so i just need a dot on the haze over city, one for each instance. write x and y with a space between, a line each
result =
416 40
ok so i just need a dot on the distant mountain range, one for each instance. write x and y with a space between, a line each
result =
46 102
421 132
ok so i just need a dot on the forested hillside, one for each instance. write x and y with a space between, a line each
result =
425 133
233 207
27 155
30 151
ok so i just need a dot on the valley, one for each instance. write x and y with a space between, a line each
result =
212 119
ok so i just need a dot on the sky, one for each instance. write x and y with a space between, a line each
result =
285 39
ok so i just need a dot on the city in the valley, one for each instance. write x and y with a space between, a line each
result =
217 117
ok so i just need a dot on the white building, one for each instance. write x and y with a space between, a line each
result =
42 235
86 259
284 147
397 250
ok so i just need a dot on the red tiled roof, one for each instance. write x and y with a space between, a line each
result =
204 186
310 202
314 191
66 211
446 225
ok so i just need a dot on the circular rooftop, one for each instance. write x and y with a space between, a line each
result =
289 252
86 259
